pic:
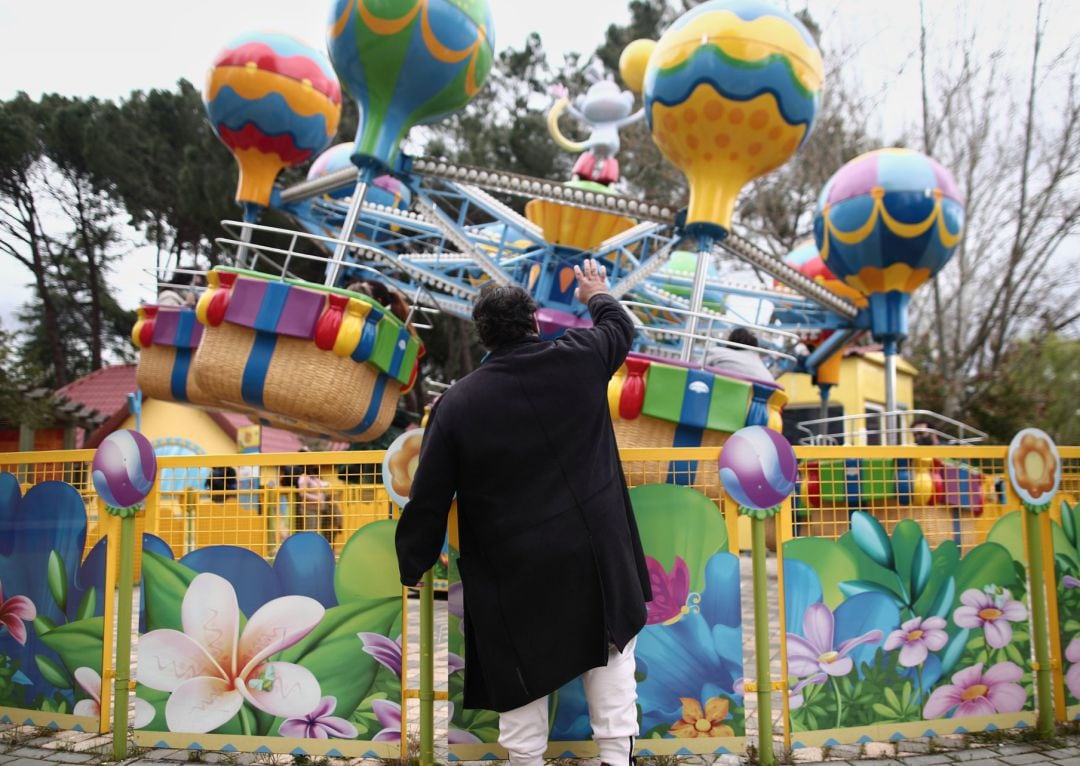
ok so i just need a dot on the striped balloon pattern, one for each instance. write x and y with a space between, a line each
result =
384 190
408 62
123 469
275 102
885 223
758 467
731 91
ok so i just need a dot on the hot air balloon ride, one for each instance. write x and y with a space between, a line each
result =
406 62
885 223
731 91
275 103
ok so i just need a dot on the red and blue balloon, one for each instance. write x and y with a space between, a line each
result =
275 102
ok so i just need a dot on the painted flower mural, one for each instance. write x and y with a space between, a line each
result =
1072 677
319 723
875 584
15 613
1034 467
916 638
669 590
90 681
818 651
51 600
703 722
274 668
973 692
991 610
212 668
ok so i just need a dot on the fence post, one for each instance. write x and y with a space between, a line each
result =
761 643
1039 630
427 670
125 592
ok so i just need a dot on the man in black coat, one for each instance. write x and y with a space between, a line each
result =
552 569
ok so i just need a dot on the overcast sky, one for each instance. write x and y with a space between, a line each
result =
107 48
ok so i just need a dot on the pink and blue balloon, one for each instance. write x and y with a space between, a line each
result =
275 102
885 223
758 468
385 190
124 469
408 62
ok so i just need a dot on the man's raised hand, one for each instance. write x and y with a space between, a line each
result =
591 279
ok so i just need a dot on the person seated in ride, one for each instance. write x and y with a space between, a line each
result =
382 295
178 291
740 358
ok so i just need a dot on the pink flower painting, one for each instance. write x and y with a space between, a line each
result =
916 638
212 668
15 612
975 693
991 609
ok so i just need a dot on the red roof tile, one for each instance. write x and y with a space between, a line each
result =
104 391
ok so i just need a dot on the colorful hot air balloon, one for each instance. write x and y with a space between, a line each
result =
731 91
275 102
885 223
408 62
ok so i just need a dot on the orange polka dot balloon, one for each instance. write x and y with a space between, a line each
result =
731 91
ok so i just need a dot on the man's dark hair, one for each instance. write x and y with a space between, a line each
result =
503 314
743 336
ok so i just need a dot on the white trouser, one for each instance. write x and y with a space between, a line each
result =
611 693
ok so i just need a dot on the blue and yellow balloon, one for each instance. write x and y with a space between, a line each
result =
731 91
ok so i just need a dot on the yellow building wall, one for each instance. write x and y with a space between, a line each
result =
862 382
163 420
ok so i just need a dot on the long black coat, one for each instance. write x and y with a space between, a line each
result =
551 563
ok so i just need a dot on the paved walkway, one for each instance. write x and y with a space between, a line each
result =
32 746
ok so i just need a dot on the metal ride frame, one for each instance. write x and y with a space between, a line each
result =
457 235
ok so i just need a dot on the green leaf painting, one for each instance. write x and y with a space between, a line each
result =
367 568
699 533
833 564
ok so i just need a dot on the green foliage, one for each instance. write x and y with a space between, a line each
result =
367 568
700 533
57 579
79 644
12 693
832 562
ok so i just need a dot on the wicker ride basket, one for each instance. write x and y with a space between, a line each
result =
168 338
662 403
301 356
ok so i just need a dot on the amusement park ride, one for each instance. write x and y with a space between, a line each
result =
730 92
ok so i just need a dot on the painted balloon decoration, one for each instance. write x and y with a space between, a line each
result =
886 222
408 62
758 469
275 103
385 190
123 470
731 91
